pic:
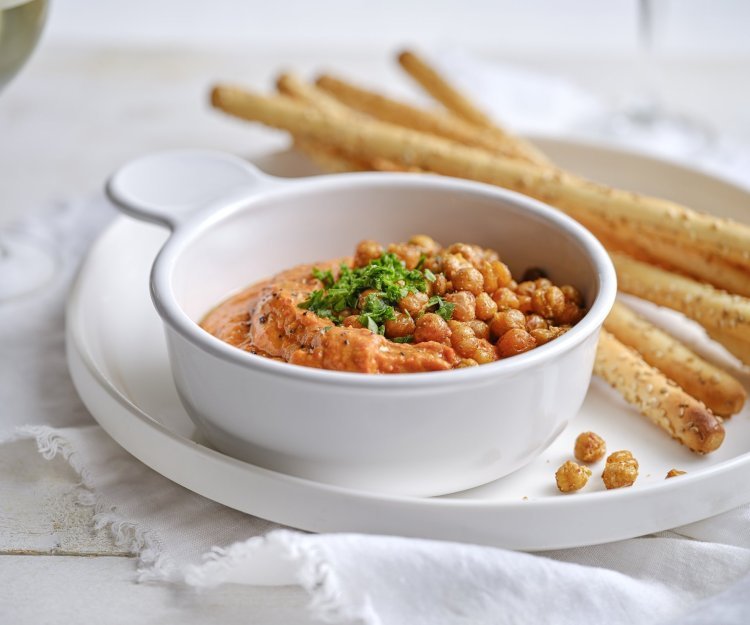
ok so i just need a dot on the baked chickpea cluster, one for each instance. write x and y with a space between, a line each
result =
571 477
489 315
620 468
589 447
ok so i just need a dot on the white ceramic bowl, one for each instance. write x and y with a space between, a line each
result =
417 434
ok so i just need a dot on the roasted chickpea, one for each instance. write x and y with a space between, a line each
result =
431 327
549 302
571 477
362 299
427 243
506 320
524 304
401 325
570 315
485 352
542 283
485 307
352 321
544 335
466 362
367 251
505 298
410 254
504 277
434 264
440 286
535 322
452 263
489 275
491 255
465 305
589 447
572 294
620 470
480 328
515 341
463 339
472 253
526 288
413 303
468 279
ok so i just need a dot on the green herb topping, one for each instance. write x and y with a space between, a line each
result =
444 309
386 277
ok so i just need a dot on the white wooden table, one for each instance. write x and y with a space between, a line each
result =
73 116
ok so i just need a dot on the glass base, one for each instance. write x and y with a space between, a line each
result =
646 125
26 265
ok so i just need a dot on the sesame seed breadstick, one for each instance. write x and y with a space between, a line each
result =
670 255
698 264
327 157
367 139
450 97
437 123
657 397
291 85
719 391
738 348
703 303
432 82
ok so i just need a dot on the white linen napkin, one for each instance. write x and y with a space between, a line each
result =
695 574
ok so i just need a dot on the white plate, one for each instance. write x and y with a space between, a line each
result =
118 360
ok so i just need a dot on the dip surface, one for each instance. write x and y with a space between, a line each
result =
412 307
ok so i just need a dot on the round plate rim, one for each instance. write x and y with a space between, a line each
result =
75 346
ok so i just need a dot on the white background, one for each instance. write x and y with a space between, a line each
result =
695 27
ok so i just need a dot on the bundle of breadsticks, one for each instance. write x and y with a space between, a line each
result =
663 252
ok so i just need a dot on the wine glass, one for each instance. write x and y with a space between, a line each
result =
25 264
644 120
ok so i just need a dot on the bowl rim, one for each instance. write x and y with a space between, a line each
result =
175 317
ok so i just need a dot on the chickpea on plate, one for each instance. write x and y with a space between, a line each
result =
407 307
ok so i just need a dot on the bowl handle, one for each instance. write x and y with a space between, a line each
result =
167 187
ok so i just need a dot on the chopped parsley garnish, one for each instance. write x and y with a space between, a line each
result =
375 313
444 309
404 339
326 277
387 278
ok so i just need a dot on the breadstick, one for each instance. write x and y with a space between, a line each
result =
703 266
738 348
669 255
708 306
431 122
368 138
329 159
293 86
718 390
455 101
657 397
438 88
